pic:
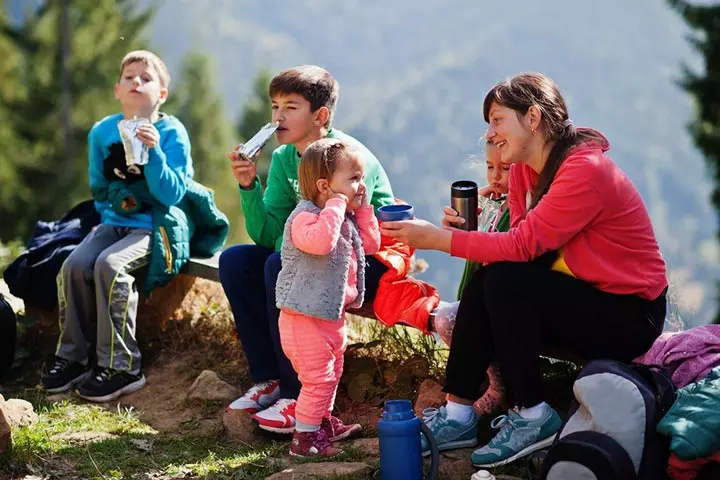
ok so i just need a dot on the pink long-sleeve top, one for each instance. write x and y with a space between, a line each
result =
592 213
317 234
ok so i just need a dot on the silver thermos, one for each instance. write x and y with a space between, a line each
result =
464 199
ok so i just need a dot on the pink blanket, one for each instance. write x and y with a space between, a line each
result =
688 356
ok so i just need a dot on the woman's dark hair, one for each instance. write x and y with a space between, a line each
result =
522 92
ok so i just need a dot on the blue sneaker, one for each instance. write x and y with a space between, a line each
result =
517 438
449 434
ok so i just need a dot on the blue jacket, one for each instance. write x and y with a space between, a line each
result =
693 422
169 166
31 276
192 227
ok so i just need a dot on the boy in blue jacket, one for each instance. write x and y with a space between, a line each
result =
95 283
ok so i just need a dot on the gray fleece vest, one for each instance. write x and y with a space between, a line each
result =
314 285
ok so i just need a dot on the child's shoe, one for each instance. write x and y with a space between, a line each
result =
106 385
279 418
491 402
64 375
312 444
336 430
259 397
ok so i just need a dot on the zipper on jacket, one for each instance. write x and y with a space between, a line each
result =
168 252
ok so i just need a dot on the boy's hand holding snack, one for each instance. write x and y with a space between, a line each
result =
148 134
244 170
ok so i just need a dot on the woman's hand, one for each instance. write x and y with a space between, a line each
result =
419 234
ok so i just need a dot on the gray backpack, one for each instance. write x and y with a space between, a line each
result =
610 433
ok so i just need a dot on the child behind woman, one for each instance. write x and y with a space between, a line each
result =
498 174
324 246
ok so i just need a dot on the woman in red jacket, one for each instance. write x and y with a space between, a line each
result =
579 270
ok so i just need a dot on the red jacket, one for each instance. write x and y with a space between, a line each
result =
402 299
592 212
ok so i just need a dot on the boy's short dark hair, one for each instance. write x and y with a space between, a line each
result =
313 83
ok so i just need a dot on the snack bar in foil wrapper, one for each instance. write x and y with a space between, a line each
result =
136 152
250 149
489 213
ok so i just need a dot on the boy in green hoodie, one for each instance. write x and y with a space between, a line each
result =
303 101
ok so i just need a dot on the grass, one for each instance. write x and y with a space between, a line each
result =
397 343
132 449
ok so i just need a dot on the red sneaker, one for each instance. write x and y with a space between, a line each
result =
336 430
312 444
259 397
279 418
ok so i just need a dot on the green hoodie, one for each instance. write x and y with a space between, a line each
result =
503 225
265 216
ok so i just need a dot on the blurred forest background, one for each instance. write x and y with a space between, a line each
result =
413 76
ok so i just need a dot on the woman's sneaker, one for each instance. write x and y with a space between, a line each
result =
448 433
279 418
106 385
259 397
517 437
336 430
63 375
312 444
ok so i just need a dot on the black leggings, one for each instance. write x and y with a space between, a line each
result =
508 311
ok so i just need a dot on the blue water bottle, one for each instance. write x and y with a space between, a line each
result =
400 450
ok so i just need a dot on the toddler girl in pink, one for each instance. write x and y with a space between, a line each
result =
323 253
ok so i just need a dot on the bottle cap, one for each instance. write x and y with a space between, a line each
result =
398 410
482 475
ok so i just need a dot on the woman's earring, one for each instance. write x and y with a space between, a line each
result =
532 131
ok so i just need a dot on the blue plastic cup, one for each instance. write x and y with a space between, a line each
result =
393 213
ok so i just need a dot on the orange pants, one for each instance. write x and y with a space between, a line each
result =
315 348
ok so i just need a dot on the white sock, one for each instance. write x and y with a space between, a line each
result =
305 427
459 412
533 413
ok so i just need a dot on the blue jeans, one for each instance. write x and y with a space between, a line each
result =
248 274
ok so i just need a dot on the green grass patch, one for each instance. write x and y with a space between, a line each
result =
123 447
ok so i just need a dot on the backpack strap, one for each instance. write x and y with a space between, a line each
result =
659 380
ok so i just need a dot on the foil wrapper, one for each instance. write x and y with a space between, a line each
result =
136 152
489 213
250 149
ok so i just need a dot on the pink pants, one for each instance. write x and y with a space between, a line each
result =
315 348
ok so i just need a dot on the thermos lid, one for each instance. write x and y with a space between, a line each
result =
398 410
464 189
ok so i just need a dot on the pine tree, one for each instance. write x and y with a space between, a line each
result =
12 149
102 31
200 108
704 87
256 113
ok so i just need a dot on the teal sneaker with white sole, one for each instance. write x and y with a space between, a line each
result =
449 434
517 438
